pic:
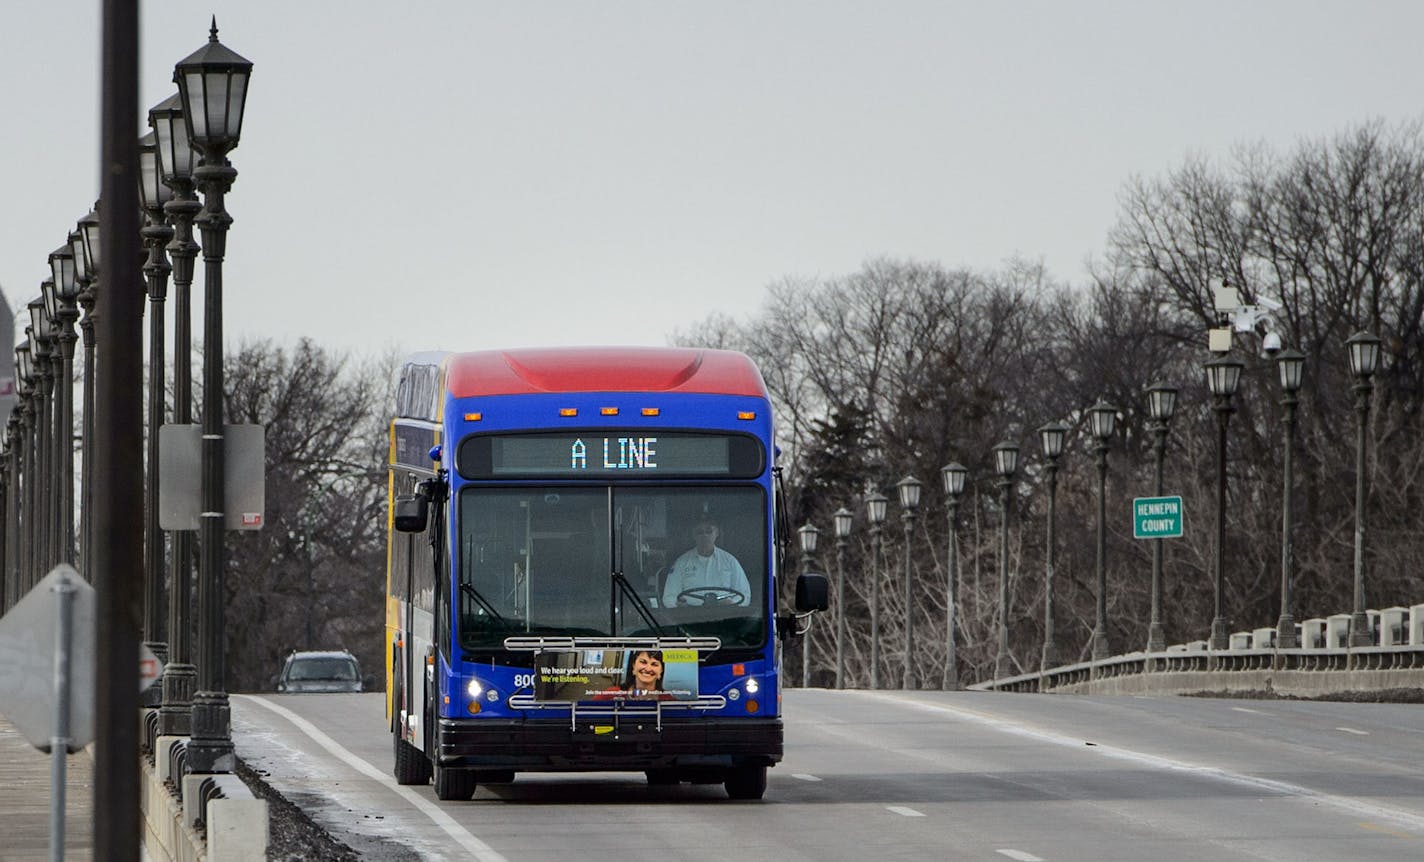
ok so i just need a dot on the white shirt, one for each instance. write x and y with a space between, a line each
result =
719 569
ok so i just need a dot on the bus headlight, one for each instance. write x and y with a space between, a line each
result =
752 686
474 688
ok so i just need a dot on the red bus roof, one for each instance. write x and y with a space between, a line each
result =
602 369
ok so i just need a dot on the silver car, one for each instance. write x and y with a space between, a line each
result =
321 671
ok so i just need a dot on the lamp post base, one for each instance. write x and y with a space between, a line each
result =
1360 634
175 717
1156 638
1101 649
1285 633
1220 638
210 749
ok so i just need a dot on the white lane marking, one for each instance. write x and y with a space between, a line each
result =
1244 709
903 811
1353 730
1019 855
804 777
1406 819
469 842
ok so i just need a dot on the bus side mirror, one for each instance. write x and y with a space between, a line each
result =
813 592
411 513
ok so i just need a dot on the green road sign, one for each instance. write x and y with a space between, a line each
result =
1156 517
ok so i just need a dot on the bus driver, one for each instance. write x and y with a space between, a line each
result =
706 574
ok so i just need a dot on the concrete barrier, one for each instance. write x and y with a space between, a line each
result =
1416 625
1312 633
1337 631
1239 640
1393 626
1263 638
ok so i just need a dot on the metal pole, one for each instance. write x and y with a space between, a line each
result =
1050 640
806 638
118 449
67 337
59 743
875 607
156 235
1360 635
1003 663
951 660
210 749
180 676
840 612
1156 635
1219 636
87 300
907 680
1285 626
1101 648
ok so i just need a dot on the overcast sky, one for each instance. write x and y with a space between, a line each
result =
463 175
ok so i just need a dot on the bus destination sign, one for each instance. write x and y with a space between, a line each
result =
612 453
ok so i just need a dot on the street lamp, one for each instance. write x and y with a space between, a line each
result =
875 506
212 84
953 475
1006 460
153 194
84 241
843 520
808 535
175 161
909 488
1051 436
1291 364
1364 359
63 298
41 350
1223 376
24 369
1101 418
1161 404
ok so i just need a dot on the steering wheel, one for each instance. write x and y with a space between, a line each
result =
708 596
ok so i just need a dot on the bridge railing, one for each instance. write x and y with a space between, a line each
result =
1323 665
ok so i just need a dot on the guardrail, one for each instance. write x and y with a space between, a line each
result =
1323 665
195 816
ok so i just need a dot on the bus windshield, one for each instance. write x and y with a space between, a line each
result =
547 561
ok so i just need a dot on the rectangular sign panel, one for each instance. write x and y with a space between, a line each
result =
1157 517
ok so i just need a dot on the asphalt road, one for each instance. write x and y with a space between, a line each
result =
917 775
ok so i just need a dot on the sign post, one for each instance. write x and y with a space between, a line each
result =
1157 517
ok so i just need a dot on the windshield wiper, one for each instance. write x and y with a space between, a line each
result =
620 584
480 600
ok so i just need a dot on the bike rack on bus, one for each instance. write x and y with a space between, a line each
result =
616 708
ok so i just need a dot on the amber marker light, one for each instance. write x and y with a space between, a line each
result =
474 417
752 706
608 411
568 411
746 414
474 707
651 411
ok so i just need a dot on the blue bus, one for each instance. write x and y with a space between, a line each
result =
583 559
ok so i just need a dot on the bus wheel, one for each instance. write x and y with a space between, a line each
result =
454 783
412 767
746 782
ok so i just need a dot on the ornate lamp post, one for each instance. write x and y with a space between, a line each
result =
808 535
1101 418
86 259
1051 436
1364 359
843 521
1006 461
875 506
212 83
909 488
1291 364
65 311
24 369
175 161
153 194
1223 376
953 475
41 351
1161 404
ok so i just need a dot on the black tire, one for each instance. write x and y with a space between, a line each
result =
412 766
661 777
746 782
454 784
